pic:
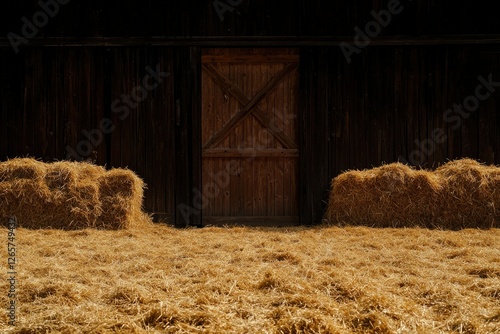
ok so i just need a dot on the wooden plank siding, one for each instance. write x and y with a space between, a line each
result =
187 92
356 115
386 103
49 97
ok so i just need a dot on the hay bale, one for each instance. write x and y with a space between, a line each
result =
470 198
23 198
388 196
21 168
68 195
67 175
60 176
424 191
121 197
459 194
74 194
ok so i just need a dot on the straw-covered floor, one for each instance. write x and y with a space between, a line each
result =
459 194
69 195
248 280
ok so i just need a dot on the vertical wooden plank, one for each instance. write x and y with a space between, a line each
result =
183 193
421 75
12 90
23 123
4 104
168 104
294 200
237 75
224 113
281 109
256 75
288 190
187 138
412 124
59 107
260 205
266 140
52 113
291 116
490 118
224 188
122 110
127 135
307 73
348 116
219 199
281 119
209 189
279 180
67 136
38 105
399 108
274 109
439 104
160 142
220 116
225 191
386 57
208 110
314 135
194 94
247 164
247 178
337 116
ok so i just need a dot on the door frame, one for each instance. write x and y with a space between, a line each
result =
188 156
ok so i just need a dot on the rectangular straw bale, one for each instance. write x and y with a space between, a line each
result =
468 199
67 195
60 176
459 194
121 194
424 192
21 168
387 196
27 200
76 208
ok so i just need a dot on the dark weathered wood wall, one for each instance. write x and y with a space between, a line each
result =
357 115
49 97
373 110
354 115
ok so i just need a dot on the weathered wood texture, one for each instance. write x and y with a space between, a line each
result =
249 133
187 137
387 104
53 100
382 106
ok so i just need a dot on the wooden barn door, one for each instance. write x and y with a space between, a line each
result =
250 136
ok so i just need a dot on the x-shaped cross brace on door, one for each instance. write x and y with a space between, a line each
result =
249 105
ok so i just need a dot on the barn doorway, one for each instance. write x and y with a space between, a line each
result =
250 152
